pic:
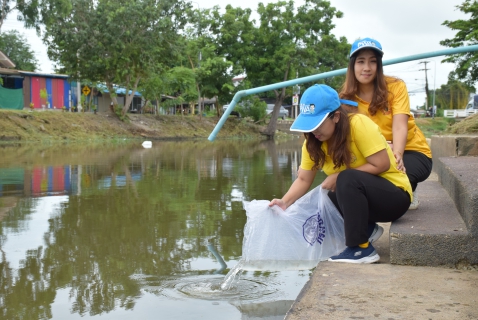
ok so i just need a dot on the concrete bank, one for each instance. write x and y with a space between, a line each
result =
387 291
418 290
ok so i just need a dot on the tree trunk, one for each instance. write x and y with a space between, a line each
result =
109 85
280 95
129 97
272 126
218 112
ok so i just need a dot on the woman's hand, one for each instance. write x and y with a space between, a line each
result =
278 202
399 159
298 188
330 182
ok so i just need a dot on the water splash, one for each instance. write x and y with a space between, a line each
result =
231 276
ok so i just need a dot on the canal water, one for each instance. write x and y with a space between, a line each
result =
118 231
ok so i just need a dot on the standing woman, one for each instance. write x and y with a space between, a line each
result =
363 180
385 100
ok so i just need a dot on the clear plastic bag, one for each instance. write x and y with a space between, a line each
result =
309 231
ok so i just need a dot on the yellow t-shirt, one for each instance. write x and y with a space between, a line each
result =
365 140
398 104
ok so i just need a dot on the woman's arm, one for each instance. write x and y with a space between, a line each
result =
399 131
376 163
298 188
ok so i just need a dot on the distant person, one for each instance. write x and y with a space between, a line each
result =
363 179
434 111
385 100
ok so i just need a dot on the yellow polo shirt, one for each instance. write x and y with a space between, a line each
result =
399 103
365 140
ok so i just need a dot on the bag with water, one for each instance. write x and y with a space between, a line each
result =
309 231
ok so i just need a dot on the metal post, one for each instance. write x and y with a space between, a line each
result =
78 95
434 82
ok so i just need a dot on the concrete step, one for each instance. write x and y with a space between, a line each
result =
443 231
459 176
434 234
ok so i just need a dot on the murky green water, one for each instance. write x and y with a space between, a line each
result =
123 232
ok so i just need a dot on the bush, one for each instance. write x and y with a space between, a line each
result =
252 107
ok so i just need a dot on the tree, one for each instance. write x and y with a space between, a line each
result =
453 95
180 82
6 6
286 40
213 72
118 42
33 13
17 49
467 34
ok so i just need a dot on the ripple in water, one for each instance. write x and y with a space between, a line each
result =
212 287
242 289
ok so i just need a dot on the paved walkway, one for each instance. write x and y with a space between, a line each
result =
386 291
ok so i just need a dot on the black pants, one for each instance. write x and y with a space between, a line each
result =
418 167
363 198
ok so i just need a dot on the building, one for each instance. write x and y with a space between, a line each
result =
24 89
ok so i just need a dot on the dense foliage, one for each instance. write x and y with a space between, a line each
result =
17 49
466 34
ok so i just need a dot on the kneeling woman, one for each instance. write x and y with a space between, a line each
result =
363 180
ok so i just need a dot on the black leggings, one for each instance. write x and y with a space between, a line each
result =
418 167
363 198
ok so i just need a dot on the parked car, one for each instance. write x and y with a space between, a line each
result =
283 113
233 112
473 103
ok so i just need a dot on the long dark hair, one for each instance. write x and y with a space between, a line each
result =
381 95
338 145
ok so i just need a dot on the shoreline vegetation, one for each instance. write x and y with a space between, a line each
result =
56 126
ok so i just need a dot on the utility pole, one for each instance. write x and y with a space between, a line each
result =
426 82
199 60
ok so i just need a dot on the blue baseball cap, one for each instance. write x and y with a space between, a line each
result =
366 43
315 105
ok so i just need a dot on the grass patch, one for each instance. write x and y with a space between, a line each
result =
434 126
468 125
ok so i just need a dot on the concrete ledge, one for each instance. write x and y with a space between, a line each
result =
459 176
434 234
386 291
454 146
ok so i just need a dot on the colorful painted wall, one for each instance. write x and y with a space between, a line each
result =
57 89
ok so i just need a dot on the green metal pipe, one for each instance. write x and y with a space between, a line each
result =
237 97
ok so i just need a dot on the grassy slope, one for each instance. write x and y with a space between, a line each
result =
60 126
65 126
440 126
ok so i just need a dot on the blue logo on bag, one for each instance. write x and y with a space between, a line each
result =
313 229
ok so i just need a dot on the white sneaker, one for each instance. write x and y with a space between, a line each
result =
376 234
415 203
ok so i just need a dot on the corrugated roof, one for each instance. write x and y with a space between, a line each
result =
118 90
9 72
46 75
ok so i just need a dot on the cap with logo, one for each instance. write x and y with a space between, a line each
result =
315 105
366 43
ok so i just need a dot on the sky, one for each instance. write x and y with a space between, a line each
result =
404 28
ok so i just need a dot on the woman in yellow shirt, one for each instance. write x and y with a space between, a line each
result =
385 100
363 179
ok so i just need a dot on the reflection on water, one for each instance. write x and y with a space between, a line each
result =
122 231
